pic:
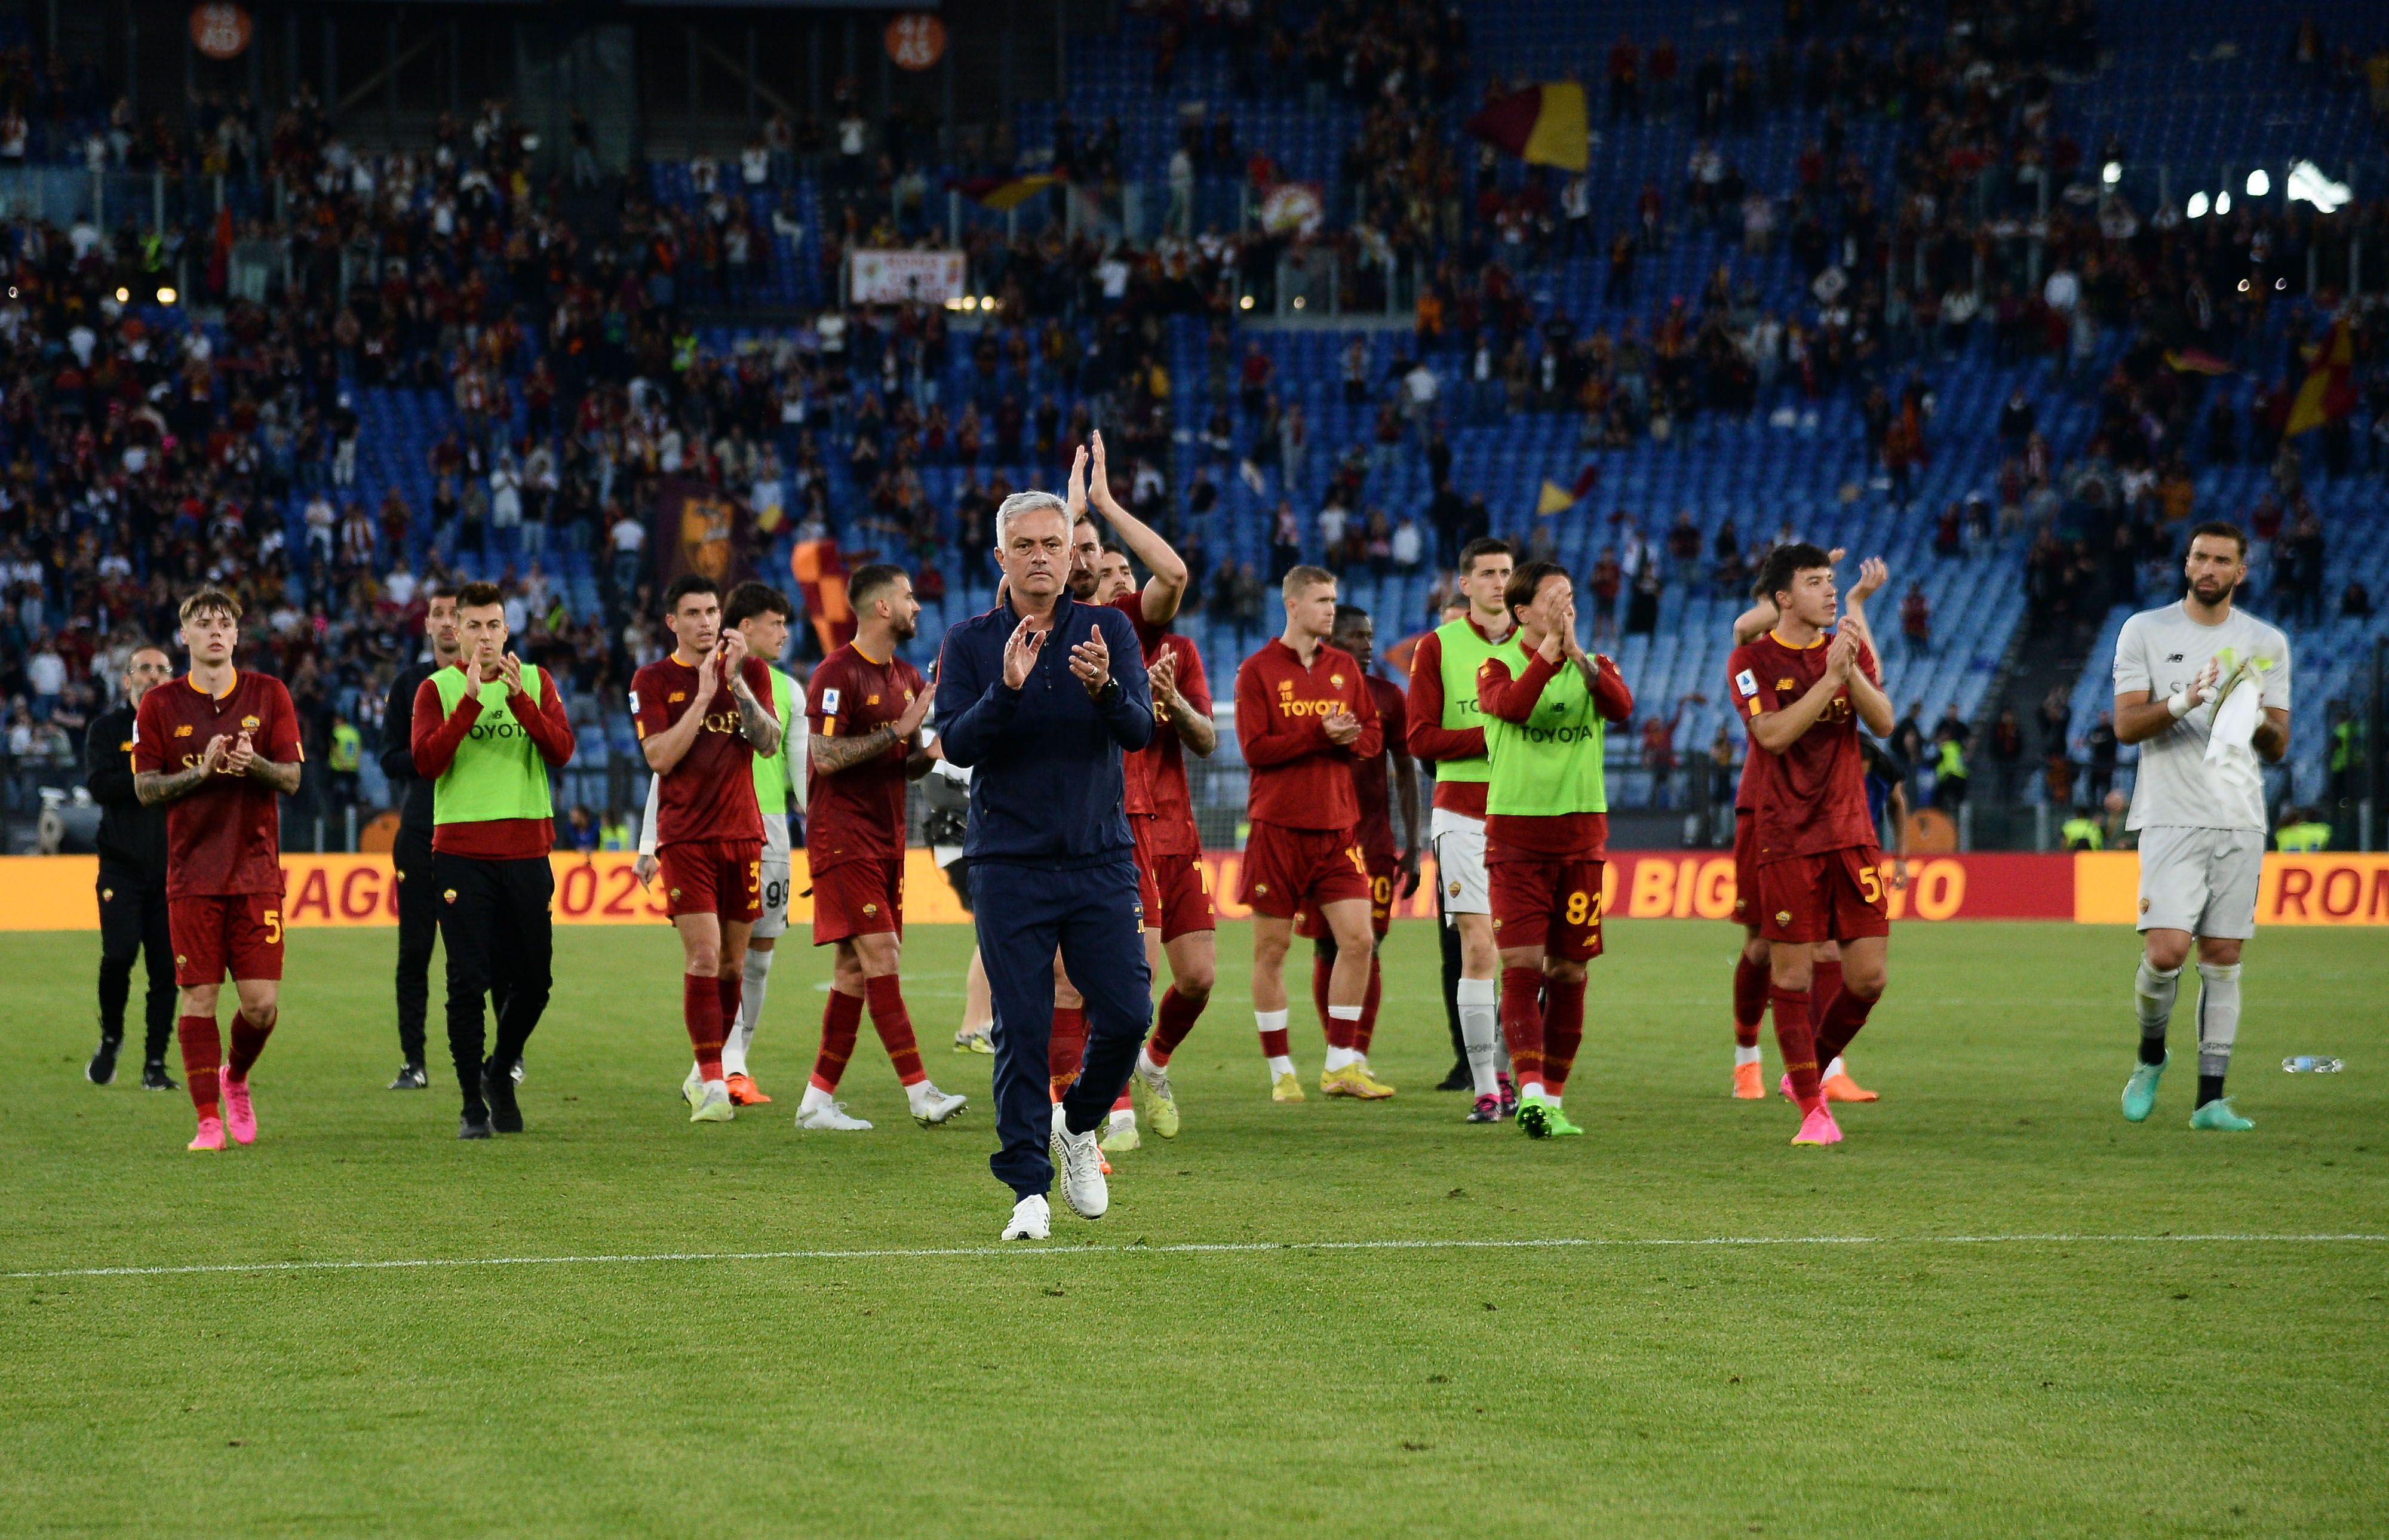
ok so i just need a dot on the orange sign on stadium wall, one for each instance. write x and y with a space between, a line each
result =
42 893
916 41
219 30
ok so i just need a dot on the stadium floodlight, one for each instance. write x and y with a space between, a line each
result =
1245 303
2308 184
2223 203
2112 173
167 296
122 295
1299 302
2258 182
2197 208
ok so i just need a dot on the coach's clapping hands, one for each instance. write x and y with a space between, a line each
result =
1020 654
1092 661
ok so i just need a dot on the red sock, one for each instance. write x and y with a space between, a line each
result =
885 994
1563 1030
1749 1002
732 988
247 1042
1522 1021
1172 1022
1840 1023
1066 1051
1323 968
1368 1028
1274 1045
1825 985
840 1019
700 1011
1797 1042
202 1050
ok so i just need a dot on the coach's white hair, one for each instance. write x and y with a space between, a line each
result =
1028 502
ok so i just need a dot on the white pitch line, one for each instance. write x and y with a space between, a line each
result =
1192 1248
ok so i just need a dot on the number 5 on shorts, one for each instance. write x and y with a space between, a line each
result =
273 927
1870 882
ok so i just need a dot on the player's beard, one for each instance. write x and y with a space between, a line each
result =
2210 591
1082 586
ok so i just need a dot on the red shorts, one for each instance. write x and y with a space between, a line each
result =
864 898
1148 886
721 877
1184 884
1384 872
1746 868
1554 905
1832 896
215 933
1285 867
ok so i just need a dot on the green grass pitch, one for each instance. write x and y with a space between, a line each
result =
1909 1382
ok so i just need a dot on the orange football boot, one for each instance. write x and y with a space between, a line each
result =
743 1092
1841 1087
1748 1086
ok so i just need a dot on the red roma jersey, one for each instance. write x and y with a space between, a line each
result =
1301 779
710 793
858 814
1373 777
1812 797
1164 759
1136 769
224 837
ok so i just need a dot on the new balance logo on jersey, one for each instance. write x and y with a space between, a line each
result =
2173 657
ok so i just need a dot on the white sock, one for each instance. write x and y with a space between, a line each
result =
1744 1055
1339 1057
1529 1088
754 981
1279 1064
2218 1016
918 1094
1121 1118
815 1098
2153 995
1480 1029
1833 1069
1550 1098
712 1085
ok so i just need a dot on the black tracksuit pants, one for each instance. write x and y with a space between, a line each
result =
501 942
418 925
132 925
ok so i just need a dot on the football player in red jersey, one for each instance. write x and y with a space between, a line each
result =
1391 775
1750 969
1149 609
1304 715
866 706
216 748
1802 691
703 713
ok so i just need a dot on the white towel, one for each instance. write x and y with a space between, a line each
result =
2229 745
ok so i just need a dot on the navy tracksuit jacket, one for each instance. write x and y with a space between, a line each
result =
1052 863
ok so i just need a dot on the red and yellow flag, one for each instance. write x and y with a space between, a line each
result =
820 571
1543 125
2329 392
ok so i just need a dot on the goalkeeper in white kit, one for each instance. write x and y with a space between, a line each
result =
2205 691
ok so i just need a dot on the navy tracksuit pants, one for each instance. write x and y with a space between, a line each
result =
1092 915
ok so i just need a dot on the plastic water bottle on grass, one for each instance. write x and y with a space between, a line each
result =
2308 1063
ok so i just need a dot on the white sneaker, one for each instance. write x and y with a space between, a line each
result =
1031 1220
932 1106
828 1116
714 1106
691 1091
1080 1165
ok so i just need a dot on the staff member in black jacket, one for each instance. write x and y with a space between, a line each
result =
418 894
131 882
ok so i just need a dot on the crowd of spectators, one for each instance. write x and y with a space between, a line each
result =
142 455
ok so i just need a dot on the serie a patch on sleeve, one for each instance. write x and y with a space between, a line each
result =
634 703
829 701
1745 682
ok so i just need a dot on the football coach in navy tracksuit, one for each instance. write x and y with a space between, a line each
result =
1038 698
